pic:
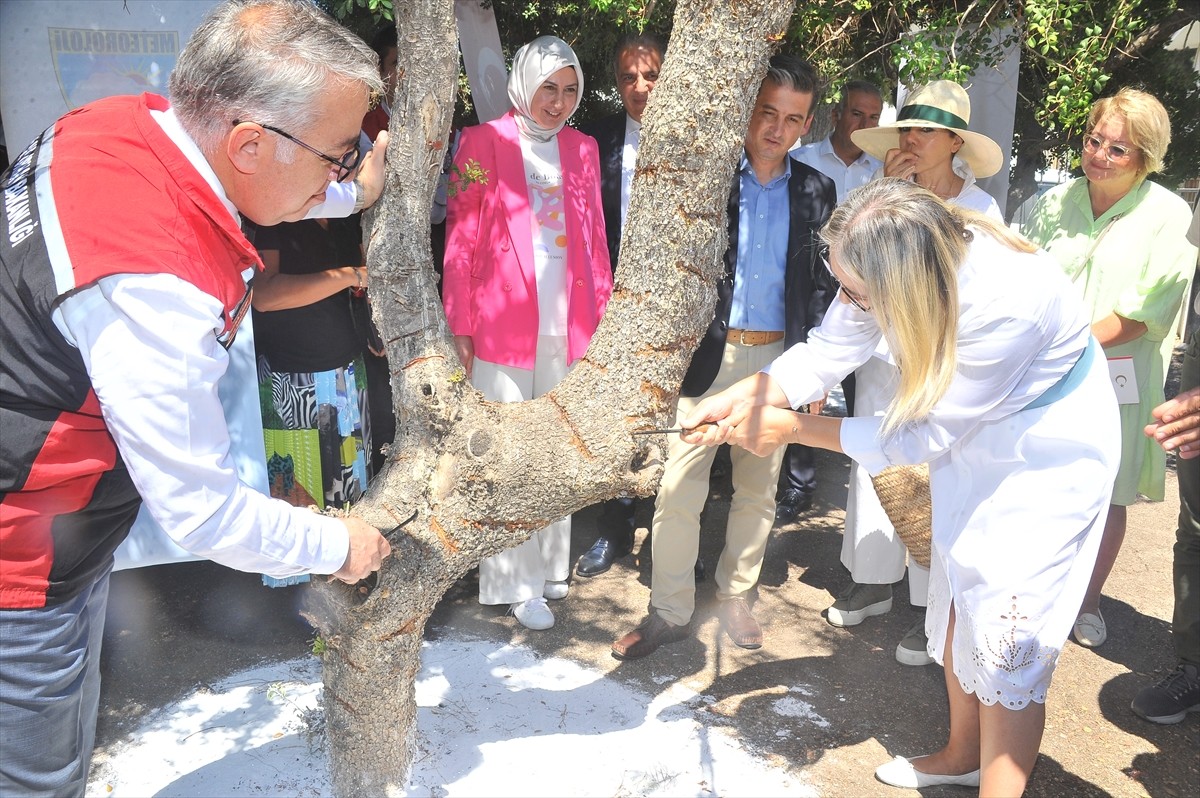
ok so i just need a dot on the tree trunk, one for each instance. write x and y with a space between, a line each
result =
479 477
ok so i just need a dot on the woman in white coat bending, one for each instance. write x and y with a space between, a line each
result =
1001 391
931 145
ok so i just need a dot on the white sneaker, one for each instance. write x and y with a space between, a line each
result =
533 614
859 602
555 590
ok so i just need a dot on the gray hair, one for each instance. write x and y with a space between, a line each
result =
264 61
860 86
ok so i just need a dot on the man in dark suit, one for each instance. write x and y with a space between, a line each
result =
774 291
637 62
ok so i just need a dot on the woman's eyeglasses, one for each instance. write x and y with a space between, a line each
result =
1113 152
854 300
345 165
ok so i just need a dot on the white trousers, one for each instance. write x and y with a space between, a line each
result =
870 549
521 573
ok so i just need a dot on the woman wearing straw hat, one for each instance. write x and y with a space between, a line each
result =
930 145
1004 394
527 278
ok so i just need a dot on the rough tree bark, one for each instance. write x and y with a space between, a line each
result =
478 477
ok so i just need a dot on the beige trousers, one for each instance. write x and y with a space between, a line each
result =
684 490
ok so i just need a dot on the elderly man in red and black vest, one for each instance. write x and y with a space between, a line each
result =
123 278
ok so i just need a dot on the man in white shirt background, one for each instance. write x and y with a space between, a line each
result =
837 157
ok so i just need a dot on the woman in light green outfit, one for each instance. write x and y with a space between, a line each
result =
1122 239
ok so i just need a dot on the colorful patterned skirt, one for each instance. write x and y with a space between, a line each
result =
317 431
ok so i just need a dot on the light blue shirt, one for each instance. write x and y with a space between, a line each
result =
763 228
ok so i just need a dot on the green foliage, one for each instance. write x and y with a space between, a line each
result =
319 646
379 11
461 178
1072 52
902 41
1067 43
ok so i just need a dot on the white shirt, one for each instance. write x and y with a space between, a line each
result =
820 156
1013 344
150 348
633 138
548 229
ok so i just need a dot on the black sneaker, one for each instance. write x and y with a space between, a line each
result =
1168 701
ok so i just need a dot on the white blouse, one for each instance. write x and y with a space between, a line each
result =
1020 329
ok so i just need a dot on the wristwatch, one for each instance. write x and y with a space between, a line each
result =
360 197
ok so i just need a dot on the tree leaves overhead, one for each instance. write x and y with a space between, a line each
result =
1072 52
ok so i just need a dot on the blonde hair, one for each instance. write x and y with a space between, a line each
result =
1146 122
905 246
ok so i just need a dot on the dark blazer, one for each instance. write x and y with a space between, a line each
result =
807 287
609 133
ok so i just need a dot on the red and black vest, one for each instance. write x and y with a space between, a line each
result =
102 192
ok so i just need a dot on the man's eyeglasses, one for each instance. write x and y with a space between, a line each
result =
1113 152
855 301
345 165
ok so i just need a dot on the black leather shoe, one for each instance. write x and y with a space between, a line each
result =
791 504
599 558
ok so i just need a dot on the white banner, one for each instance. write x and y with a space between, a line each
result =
993 93
58 56
483 57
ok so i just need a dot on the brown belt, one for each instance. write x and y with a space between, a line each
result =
753 337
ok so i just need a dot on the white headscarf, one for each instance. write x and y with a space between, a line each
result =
532 66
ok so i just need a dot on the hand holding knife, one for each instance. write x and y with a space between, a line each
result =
679 430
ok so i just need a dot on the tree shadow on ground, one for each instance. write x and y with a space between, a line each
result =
1174 769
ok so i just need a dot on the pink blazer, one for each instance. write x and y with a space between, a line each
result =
489 287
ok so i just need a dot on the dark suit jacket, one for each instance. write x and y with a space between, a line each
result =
807 287
609 133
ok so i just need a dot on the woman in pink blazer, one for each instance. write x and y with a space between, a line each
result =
527 278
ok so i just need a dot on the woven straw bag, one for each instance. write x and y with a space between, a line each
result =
904 493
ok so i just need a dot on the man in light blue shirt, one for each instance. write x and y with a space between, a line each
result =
773 292
839 159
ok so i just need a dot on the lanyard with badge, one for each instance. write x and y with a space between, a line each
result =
1120 369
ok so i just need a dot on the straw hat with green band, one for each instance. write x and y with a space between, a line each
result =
940 104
